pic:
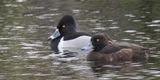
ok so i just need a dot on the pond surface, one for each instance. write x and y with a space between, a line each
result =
26 24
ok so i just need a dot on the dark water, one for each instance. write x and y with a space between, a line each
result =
26 24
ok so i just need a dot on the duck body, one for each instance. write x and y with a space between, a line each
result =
111 58
111 54
107 51
66 37
140 53
73 42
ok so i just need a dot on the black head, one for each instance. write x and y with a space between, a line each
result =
66 25
99 41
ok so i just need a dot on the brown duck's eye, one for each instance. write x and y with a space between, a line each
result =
97 40
63 26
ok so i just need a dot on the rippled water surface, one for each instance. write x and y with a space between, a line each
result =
26 24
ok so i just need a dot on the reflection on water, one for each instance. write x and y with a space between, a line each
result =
26 24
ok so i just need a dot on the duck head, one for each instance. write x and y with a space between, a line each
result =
97 43
66 25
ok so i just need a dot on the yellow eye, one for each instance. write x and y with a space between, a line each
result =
63 26
97 40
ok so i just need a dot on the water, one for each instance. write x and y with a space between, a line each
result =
26 24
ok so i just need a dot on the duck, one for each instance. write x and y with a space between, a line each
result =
107 51
66 36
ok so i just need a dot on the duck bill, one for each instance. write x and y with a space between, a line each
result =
89 46
54 35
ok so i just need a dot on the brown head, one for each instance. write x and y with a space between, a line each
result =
99 41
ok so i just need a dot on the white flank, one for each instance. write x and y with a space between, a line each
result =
76 43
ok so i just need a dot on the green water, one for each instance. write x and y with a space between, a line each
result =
26 24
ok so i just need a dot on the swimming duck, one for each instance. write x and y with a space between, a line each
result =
66 36
107 51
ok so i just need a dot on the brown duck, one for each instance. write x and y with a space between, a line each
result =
108 51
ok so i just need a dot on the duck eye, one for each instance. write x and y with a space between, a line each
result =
97 40
63 26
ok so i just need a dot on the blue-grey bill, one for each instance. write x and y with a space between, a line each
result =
54 35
